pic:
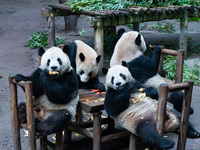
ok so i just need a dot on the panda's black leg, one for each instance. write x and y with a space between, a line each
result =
22 112
151 92
176 98
146 131
53 123
192 133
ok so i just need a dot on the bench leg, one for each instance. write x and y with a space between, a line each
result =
133 142
97 131
59 141
67 135
42 146
14 116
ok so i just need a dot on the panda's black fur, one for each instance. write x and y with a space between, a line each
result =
140 117
94 82
61 90
144 69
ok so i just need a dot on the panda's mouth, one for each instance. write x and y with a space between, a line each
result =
54 73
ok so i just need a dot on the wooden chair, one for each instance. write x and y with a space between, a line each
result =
30 126
162 101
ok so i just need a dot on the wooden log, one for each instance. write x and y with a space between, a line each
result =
133 142
51 31
42 145
178 87
179 66
30 115
81 131
59 140
76 12
14 114
184 32
161 111
97 131
185 116
169 52
115 136
98 42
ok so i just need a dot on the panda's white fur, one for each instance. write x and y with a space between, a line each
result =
139 118
117 69
53 53
145 109
89 64
55 96
44 103
126 49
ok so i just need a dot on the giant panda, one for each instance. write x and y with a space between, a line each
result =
130 48
85 62
55 91
138 117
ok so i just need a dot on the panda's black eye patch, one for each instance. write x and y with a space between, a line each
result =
48 62
82 72
90 74
59 60
123 76
112 80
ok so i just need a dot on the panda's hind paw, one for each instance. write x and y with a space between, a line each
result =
166 144
193 134
22 112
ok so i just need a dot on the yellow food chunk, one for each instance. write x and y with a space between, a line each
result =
53 72
141 90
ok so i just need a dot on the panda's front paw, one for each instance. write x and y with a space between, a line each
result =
22 112
101 87
20 77
156 49
193 134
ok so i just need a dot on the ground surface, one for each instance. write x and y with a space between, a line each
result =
20 18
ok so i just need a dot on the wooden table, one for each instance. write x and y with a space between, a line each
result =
93 103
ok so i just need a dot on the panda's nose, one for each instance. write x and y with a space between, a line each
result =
53 67
118 83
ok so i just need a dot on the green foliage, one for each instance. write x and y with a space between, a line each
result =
82 32
98 4
194 19
193 72
40 39
118 4
169 27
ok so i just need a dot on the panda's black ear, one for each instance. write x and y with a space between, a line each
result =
98 59
104 70
125 64
41 51
121 32
81 56
138 40
66 49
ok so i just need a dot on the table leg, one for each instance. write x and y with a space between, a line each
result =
97 131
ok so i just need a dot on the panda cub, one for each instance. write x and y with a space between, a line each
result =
139 118
55 91
130 48
85 62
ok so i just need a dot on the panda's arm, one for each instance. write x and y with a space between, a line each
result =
36 81
155 57
98 84
93 83
150 91
118 100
